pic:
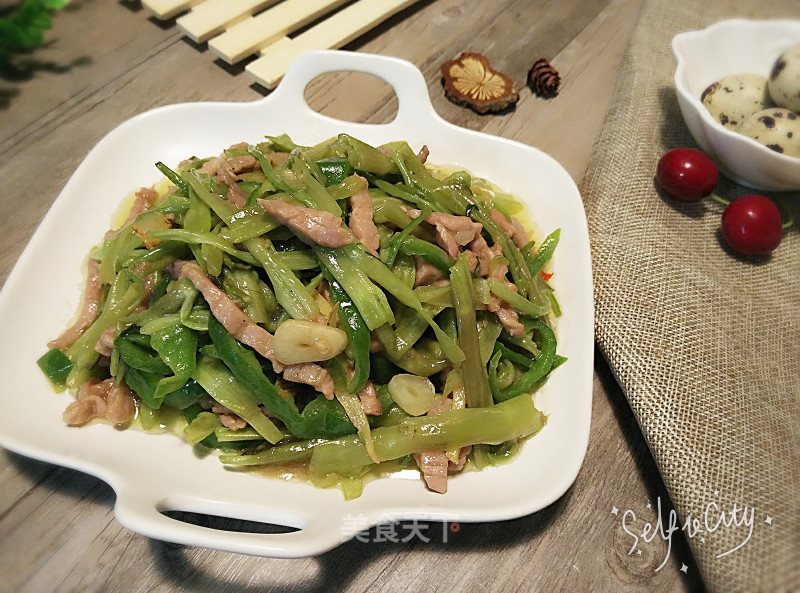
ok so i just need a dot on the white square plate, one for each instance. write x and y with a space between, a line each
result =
155 473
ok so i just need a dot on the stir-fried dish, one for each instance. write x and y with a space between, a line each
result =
340 309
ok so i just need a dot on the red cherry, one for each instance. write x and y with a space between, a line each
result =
752 225
687 174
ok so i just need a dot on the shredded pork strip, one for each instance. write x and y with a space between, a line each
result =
462 459
83 410
513 228
318 226
361 220
452 231
227 173
244 329
148 281
145 198
238 324
227 418
121 406
434 463
276 159
485 255
212 166
101 399
497 270
425 273
91 302
105 344
241 164
311 374
434 466
368 396
236 195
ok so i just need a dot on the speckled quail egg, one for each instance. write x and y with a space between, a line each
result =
778 129
733 99
784 79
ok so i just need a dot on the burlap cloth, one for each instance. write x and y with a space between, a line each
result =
705 344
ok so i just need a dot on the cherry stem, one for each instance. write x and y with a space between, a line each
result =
784 211
790 219
717 198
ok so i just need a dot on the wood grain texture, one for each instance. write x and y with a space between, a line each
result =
108 61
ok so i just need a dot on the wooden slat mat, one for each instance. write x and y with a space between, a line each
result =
238 29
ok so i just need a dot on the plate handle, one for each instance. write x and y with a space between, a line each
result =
144 513
405 79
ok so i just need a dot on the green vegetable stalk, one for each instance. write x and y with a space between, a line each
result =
320 417
358 336
243 364
177 347
223 386
537 371
543 253
473 369
348 457
370 300
352 405
125 294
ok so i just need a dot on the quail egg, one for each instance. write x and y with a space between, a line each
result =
733 99
784 79
778 129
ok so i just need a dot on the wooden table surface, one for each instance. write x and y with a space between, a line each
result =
108 60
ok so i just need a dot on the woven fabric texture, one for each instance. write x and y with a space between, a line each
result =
704 343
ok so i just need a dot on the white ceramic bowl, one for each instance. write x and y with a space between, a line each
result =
152 474
729 47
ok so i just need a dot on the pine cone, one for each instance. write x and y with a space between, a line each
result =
544 79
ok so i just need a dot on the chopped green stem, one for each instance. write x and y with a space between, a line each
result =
173 177
431 253
288 453
125 294
352 405
473 370
207 238
543 254
493 425
538 370
290 291
515 300
358 335
397 241
378 272
370 300
226 389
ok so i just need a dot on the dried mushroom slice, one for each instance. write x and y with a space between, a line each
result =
471 81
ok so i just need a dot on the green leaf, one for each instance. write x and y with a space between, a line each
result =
54 4
24 28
